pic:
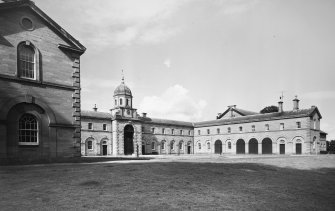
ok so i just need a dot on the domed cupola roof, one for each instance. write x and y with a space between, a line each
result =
122 89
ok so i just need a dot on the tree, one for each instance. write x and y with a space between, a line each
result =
269 109
331 147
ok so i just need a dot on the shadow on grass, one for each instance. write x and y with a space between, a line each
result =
67 160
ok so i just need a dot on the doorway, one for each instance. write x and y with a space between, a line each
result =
128 140
282 149
298 148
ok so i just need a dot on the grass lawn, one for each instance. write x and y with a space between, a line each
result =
165 186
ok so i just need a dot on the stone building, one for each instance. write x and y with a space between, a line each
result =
39 85
235 131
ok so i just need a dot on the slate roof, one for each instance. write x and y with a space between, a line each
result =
260 117
166 122
242 112
76 45
96 115
122 89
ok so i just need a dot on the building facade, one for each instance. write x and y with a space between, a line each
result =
235 131
39 85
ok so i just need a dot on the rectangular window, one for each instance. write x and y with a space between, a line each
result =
127 102
104 126
208 145
189 132
253 128
163 145
181 132
267 127
172 131
218 130
229 130
298 124
153 147
314 124
89 145
281 126
208 131
90 126
153 130
181 146
199 132
163 130
241 128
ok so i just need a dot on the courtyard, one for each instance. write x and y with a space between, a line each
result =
174 183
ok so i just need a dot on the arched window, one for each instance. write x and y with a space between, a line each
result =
181 145
199 145
163 145
89 145
26 61
172 145
229 145
208 145
28 130
120 101
153 146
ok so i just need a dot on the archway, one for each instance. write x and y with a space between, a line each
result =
240 146
253 146
128 140
267 146
218 147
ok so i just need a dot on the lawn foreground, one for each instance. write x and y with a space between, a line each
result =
175 185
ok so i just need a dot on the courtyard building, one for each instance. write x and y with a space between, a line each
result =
39 85
122 131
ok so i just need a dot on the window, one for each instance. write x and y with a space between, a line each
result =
172 145
314 125
229 145
229 130
281 126
298 124
181 145
26 61
89 145
120 101
208 145
163 145
208 131
104 127
181 132
253 128
163 130
153 145
240 128
189 132
199 132
199 145
127 102
267 127
218 130
172 131
115 102
28 130
90 126
153 130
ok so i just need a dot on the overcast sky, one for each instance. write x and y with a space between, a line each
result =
190 59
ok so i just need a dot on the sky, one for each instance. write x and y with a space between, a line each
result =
190 59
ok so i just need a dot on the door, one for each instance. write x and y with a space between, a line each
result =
218 147
188 149
143 149
104 149
282 148
298 149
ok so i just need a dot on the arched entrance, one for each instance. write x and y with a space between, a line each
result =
253 146
267 146
218 147
189 144
128 140
240 146
103 147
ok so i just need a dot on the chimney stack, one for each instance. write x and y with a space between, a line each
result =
280 105
144 115
95 108
296 103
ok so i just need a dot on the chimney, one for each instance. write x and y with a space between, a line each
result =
95 108
144 115
296 103
280 105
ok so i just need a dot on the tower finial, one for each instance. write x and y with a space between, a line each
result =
122 77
